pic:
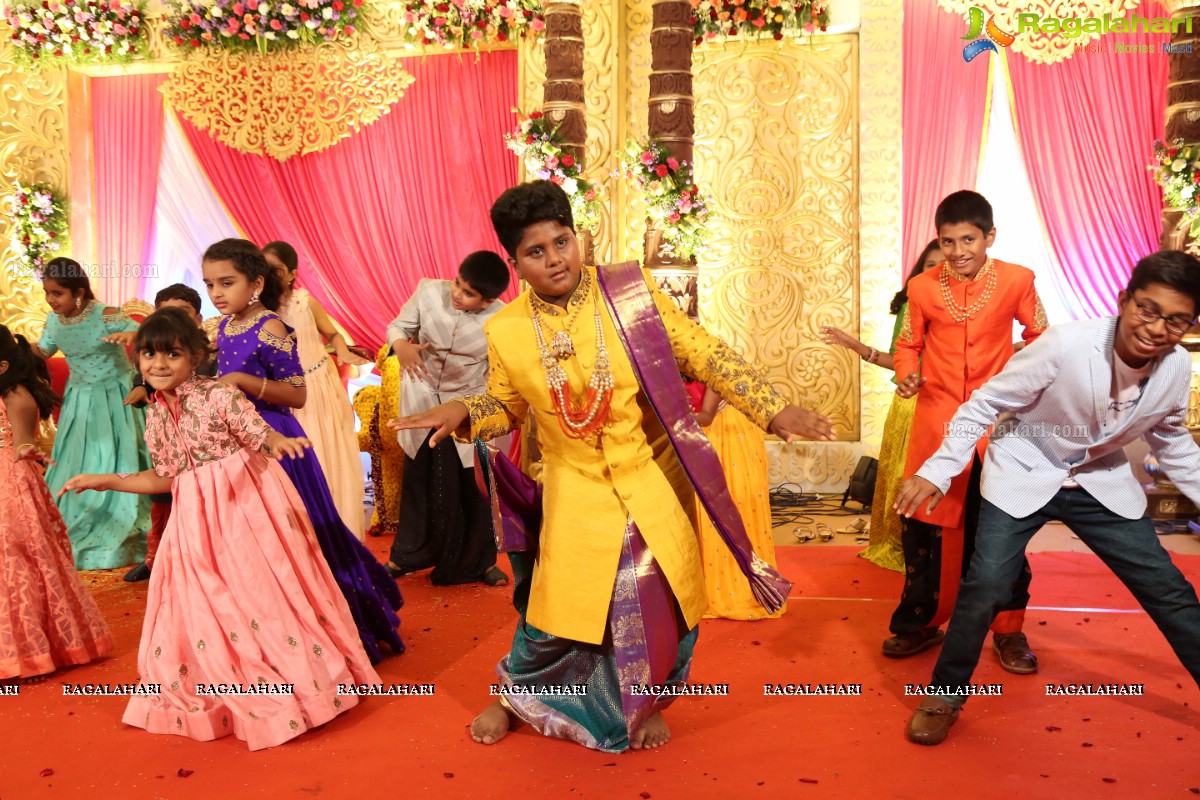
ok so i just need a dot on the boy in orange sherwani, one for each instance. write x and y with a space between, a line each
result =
957 332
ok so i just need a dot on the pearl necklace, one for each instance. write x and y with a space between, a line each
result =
960 313
577 420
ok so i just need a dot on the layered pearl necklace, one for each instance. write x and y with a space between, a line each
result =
957 312
582 419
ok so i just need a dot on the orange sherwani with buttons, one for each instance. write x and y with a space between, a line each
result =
956 358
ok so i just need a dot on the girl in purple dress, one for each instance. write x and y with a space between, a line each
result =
257 353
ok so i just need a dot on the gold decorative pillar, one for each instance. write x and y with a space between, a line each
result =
1183 111
1163 498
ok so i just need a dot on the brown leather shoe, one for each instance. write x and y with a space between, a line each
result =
1014 652
903 645
930 723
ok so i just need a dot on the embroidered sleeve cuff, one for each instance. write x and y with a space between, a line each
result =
743 385
489 419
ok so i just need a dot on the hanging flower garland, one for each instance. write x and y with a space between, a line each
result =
39 222
746 19
470 23
247 24
540 149
672 198
1176 171
77 31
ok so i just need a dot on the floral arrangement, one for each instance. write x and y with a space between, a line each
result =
672 198
262 24
1175 169
470 23
39 222
77 31
751 18
540 150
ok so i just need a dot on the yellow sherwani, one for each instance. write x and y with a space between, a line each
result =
628 469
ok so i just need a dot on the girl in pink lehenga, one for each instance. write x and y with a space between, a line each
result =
47 618
240 596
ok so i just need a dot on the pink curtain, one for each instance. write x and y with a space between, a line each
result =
1086 128
402 199
127 120
944 103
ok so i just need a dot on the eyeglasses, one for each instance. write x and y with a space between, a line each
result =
1177 324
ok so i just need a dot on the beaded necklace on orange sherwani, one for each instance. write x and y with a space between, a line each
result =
578 420
960 313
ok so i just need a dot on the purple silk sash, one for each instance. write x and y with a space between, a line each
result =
648 346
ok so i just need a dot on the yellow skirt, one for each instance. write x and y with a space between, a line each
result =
739 444
884 548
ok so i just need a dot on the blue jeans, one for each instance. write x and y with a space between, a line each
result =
1129 547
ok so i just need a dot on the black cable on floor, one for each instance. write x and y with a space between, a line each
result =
791 505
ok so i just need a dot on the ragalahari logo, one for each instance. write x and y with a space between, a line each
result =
994 35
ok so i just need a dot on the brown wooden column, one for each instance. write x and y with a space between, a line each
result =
562 94
671 120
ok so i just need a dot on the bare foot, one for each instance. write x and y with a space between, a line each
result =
36 679
653 733
492 724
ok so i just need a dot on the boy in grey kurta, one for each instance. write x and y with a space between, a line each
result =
438 338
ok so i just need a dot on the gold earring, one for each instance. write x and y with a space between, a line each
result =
78 302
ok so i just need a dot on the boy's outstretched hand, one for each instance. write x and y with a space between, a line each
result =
445 418
913 493
795 421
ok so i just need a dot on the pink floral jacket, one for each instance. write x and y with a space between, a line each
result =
214 420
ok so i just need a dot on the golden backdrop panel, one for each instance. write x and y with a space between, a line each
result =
638 20
776 146
602 41
881 262
33 148
289 103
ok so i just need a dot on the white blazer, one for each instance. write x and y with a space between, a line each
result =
1049 405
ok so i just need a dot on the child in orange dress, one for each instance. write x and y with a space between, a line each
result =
47 618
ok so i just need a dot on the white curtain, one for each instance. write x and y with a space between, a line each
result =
188 217
1004 181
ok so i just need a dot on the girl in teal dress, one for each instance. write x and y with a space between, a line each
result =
97 432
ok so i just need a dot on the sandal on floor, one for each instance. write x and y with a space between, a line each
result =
858 526
803 535
495 577
825 532
398 572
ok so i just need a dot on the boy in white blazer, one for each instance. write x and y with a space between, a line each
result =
1064 408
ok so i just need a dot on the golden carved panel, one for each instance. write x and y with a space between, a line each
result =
821 467
1042 48
602 41
776 148
33 148
288 103
880 259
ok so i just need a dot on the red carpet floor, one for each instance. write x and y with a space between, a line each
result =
1022 744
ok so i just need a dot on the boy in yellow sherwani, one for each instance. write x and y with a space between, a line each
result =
615 524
